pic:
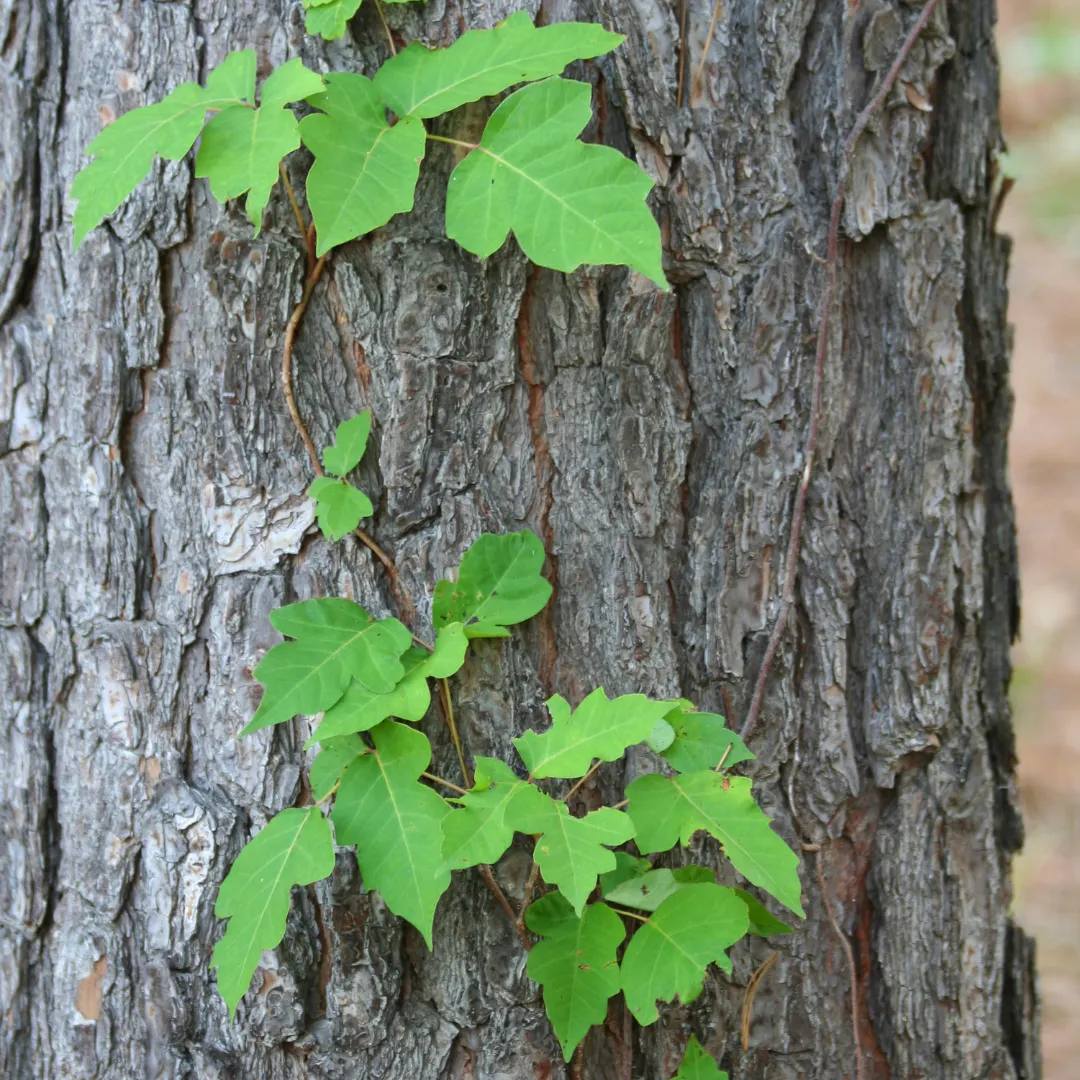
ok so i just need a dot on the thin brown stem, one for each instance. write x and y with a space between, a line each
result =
292 327
718 7
305 233
682 54
620 805
386 27
724 757
821 354
748 1000
526 896
444 783
592 770
455 738
496 890
850 957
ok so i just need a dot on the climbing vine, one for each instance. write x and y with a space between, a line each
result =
597 918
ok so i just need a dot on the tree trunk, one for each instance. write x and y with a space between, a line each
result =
152 511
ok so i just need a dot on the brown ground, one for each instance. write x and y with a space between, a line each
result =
1040 46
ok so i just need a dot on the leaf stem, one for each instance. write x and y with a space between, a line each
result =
723 757
445 783
526 896
454 736
825 311
386 27
496 890
329 795
453 142
629 914
592 769
620 805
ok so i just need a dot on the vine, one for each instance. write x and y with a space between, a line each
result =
608 919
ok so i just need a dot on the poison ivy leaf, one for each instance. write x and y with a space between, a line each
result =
350 442
701 741
570 852
242 147
575 963
498 585
762 923
428 82
596 729
568 202
295 848
365 170
124 151
637 885
661 737
360 709
667 810
336 756
668 955
478 832
627 867
698 1065
396 824
336 641
339 507
329 19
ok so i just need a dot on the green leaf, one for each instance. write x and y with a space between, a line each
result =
762 923
661 737
478 832
295 848
636 884
668 955
396 824
428 82
124 151
498 584
627 867
241 148
339 507
336 756
575 963
570 851
698 1065
568 202
667 810
596 729
336 641
701 740
365 171
350 442
360 709
329 20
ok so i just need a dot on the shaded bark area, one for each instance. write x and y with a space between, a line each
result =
152 515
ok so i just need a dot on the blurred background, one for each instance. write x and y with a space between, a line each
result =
1039 42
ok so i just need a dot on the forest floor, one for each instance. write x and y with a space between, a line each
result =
1039 42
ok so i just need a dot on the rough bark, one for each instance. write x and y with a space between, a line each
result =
152 514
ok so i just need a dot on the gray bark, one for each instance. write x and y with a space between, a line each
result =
152 515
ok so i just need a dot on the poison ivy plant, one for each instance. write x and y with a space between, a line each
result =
340 507
698 1065
365 680
567 202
